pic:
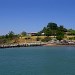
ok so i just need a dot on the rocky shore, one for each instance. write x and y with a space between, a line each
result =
50 43
61 43
21 45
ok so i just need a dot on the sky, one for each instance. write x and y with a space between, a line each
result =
33 15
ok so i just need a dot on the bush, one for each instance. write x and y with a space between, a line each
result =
46 39
38 39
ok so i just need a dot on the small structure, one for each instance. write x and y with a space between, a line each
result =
31 34
42 33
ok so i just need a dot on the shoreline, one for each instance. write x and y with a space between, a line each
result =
21 45
34 45
59 45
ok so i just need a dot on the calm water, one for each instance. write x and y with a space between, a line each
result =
37 61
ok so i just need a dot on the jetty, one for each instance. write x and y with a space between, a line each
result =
21 45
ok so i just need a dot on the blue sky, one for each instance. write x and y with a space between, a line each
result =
33 15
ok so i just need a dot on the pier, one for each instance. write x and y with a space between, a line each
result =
21 45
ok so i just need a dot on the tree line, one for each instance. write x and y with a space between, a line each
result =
52 29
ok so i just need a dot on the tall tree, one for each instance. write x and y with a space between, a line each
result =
61 28
59 35
11 34
23 33
48 32
52 26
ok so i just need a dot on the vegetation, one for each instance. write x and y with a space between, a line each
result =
8 37
60 35
71 32
23 33
38 39
52 29
46 39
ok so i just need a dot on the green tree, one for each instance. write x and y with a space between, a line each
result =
61 28
50 29
39 33
44 29
46 39
23 33
11 34
52 26
71 32
59 35
7 36
48 32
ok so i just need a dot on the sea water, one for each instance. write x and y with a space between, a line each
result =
37 61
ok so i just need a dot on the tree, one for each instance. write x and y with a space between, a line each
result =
71 32
44 29
59 35
23 33
11 34
39 33
7 36
52 26
46 39
61 28
48 32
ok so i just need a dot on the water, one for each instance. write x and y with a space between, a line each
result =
37 61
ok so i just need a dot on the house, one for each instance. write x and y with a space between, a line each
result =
31 34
